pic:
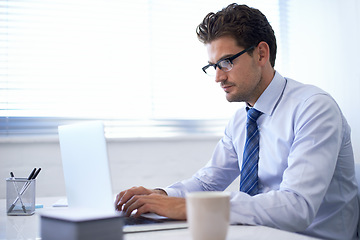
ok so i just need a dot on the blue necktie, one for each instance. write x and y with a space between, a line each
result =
249 170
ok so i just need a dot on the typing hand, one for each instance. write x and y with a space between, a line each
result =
150 200
126 195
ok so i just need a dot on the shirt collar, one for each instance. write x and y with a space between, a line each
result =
269 99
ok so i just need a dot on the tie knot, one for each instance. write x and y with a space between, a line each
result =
253 114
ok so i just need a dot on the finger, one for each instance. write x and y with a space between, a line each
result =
141 203
124 196
118 206
144 204
133 203
146 207
118 197
128 194
130 206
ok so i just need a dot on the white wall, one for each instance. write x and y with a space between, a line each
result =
148 162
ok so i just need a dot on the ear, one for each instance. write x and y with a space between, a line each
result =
263 53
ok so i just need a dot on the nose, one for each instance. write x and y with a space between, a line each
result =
220 76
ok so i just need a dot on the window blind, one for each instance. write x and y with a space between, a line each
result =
135 64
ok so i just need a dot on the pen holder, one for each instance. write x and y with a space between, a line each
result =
20 196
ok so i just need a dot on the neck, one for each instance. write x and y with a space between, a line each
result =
267 75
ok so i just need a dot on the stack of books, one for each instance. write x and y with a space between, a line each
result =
80 224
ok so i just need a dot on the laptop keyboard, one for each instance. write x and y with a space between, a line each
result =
140 220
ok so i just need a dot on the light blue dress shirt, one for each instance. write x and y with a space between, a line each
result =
306 164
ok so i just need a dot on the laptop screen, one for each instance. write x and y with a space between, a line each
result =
86 167
87 175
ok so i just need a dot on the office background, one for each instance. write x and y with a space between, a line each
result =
321 49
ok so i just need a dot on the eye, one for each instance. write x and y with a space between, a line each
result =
225 64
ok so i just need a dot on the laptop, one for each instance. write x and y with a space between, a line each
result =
88 180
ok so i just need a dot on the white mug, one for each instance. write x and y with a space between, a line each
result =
208 215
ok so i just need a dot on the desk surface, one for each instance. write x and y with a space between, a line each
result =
28 227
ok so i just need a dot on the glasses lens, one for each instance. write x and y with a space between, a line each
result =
225 65
210 70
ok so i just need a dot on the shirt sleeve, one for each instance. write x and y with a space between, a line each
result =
218 173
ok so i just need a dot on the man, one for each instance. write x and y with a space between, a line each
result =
301 162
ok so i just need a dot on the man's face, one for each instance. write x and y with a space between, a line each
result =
243 83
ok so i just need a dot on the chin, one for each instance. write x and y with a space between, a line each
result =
231 98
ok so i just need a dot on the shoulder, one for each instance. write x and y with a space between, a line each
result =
299 95
301 91
308 103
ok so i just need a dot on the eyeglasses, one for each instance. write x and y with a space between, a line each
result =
224 64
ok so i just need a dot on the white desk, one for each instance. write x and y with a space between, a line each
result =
28 227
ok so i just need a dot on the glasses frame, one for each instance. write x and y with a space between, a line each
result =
230 59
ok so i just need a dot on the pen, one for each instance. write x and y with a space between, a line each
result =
26 185
17 192
31 174
36 173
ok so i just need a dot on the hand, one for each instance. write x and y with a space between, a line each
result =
126 195
150 200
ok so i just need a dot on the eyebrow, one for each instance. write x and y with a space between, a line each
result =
222 58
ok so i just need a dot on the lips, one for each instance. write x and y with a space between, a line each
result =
226 88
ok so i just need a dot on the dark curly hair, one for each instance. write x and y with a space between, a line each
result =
248 26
